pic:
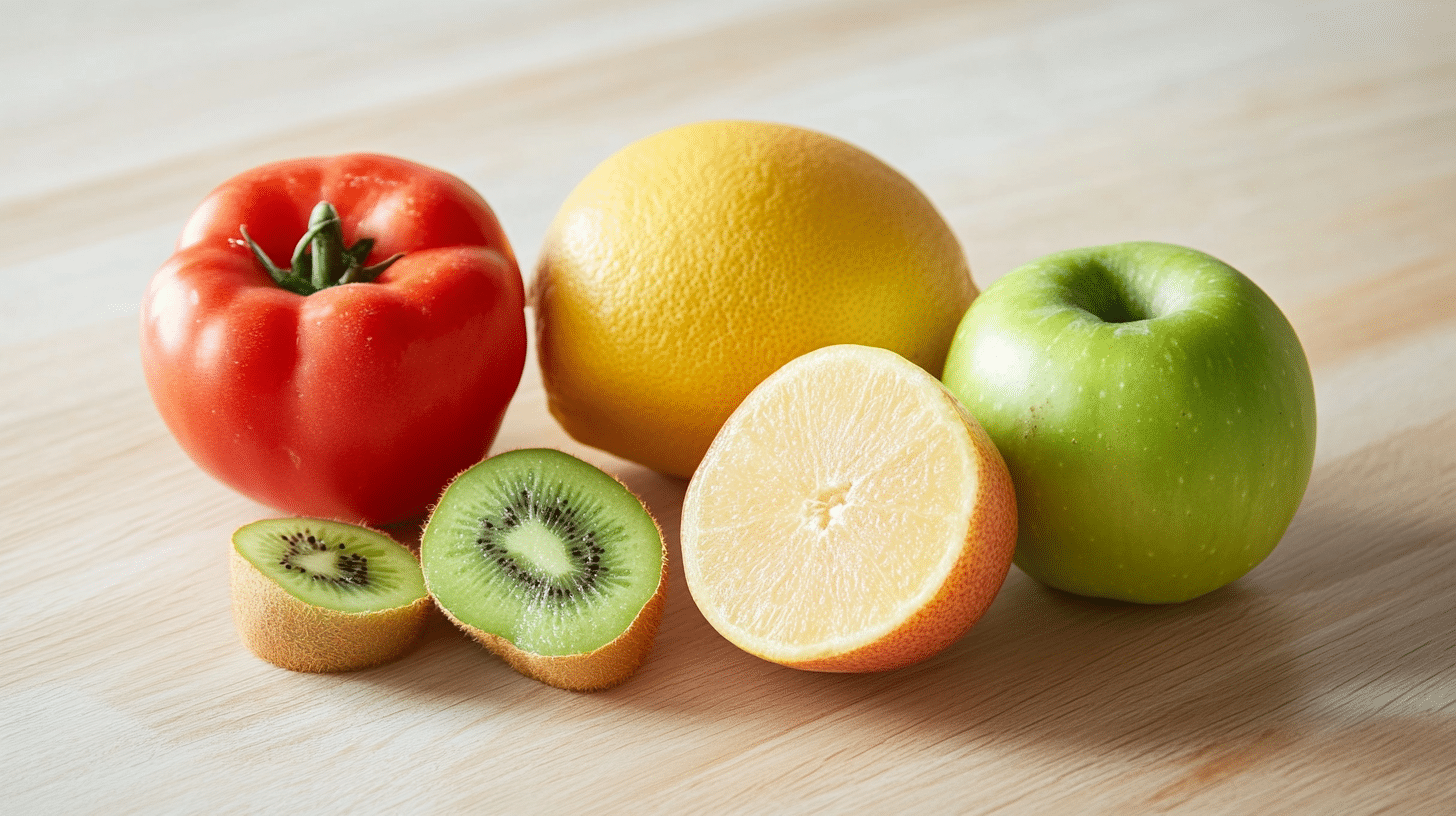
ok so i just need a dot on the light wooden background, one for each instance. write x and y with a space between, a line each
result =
1311 143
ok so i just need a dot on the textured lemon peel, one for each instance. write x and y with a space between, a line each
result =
687 267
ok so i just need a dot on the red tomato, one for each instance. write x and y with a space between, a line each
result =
360 401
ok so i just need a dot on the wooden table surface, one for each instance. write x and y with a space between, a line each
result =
1310 143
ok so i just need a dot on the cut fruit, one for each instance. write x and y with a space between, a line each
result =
850 516
550 563
323 596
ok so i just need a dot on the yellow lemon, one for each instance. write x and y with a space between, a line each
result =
692 264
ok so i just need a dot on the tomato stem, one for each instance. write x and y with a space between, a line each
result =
320 259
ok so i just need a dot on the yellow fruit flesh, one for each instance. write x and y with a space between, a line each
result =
846 497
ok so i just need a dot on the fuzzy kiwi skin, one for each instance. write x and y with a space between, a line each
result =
602 668
295 635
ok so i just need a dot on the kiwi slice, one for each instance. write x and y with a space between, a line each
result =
323 596
552 564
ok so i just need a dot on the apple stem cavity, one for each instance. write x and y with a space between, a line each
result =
1102 292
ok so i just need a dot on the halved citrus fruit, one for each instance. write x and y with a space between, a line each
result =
849 516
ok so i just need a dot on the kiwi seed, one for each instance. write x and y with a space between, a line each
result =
323 596
552 564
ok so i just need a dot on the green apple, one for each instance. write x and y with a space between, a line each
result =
1155 408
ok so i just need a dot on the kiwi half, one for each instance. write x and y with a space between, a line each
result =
552 564
323 596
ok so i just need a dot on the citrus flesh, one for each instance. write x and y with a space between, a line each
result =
695 262
849 516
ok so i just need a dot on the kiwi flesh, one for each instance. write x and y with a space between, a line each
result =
313 595
552 564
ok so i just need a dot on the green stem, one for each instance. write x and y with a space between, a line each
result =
320 259
327 245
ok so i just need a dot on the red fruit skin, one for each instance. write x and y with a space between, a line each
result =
361 401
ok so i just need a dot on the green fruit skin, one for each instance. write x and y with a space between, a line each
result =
1154 460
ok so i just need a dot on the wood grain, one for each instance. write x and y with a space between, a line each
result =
1310 144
